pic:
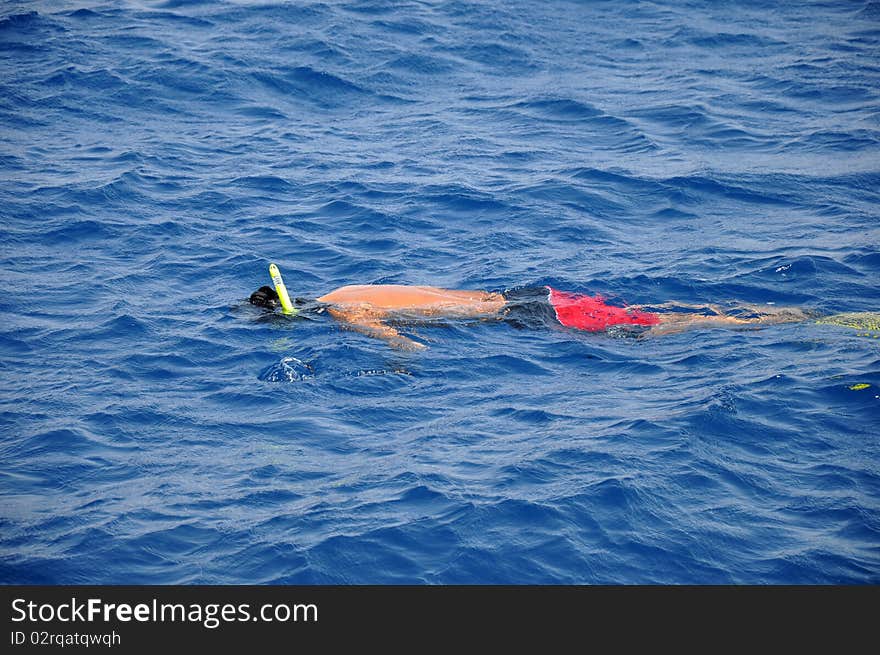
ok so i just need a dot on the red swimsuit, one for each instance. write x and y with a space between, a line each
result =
592 314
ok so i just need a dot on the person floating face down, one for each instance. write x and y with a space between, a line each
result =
372 308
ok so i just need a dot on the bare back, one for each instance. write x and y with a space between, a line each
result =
382 298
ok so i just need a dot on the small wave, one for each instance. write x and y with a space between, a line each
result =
559 109
720 41
415 28
85 13
82 230
261 112
317 86
289 369
497 57
808 267
270 183
725 40
72 76
700 184
180 4
422 64
17 21
825 140
173 18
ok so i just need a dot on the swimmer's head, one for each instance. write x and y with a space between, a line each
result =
265 297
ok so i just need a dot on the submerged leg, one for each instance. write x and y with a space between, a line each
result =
672 322
678 322
686 305
772 314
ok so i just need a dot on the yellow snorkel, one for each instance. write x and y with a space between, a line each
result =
286 305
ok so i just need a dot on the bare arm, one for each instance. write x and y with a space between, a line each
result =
367 322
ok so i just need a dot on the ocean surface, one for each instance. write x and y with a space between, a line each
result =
155 157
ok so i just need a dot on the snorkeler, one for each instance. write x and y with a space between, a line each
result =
372 309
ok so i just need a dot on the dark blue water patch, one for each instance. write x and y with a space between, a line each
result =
270 183
95 81
86 14
869 261
805 268
162 18
23 31
316 48
725 40
73 456
702 186
262 112
175 77
559 109
420 64
19 20
461 200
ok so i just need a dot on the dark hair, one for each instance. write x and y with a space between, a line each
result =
264 297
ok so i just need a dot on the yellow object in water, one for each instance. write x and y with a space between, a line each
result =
869 321
859 387
286 305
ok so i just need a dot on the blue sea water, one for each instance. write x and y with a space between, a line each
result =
155 156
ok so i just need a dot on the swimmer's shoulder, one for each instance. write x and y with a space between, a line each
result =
373 292
343 294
